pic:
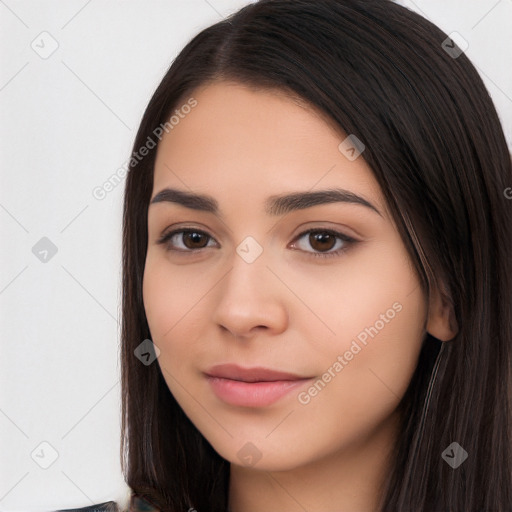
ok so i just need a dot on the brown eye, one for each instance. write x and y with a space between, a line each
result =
190 240
195 238
324 240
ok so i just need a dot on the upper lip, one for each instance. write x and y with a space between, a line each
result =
254 374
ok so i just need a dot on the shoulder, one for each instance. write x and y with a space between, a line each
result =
108 506
137 504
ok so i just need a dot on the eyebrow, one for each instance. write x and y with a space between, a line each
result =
274 205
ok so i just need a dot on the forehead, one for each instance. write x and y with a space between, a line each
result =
244 144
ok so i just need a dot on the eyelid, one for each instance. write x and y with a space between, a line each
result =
335 227
177 228
347 239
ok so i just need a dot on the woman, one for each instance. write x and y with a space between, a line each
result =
262 371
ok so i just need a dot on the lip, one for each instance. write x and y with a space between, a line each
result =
254 374
251 387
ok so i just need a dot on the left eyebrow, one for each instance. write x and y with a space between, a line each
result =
274 205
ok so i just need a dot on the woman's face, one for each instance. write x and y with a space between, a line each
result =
247 285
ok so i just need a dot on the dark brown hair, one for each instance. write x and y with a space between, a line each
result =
436 147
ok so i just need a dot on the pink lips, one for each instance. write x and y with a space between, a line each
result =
251 387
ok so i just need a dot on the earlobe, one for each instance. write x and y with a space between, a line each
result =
441 322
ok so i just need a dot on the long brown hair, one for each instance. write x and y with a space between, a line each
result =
436 147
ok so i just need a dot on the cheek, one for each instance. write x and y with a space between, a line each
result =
377 320
389 349
166 303
379 339
364 381
373 297
174 302
167 296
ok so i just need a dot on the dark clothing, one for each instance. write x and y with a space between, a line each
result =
137 504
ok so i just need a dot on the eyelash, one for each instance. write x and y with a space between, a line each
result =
166 237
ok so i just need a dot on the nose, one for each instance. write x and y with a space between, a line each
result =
251 298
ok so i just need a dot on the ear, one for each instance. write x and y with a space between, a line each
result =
441 321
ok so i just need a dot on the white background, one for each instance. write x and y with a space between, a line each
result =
67 124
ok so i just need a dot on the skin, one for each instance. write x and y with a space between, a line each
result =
287 310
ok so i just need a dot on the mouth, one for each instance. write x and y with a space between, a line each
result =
251 387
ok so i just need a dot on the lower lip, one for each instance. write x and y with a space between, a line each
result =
252 394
